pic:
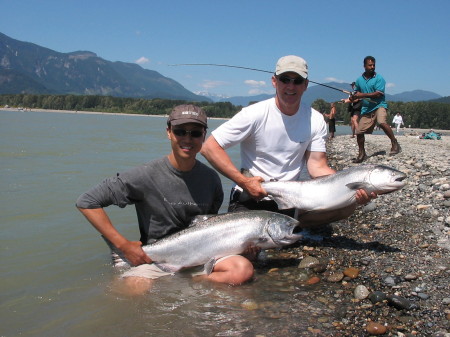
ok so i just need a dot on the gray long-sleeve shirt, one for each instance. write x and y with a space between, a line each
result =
166 200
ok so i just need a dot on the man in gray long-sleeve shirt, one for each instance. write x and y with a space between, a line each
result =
167 193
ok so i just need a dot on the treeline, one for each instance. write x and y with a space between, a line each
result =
112 104
424 115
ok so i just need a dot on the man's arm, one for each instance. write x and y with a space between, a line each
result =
317 165
222 162
132 250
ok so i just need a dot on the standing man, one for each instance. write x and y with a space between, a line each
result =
370 88
331 120
278 137
354 109
167 194
398 121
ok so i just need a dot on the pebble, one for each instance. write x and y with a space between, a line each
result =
308 261
351 272
377 297
400 302
313 280
249 305
335 277
390 281
410 277
361 292
375 328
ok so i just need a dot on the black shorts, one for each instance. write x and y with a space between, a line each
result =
332 125
251 204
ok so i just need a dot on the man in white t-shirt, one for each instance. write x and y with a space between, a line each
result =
278 137
398 121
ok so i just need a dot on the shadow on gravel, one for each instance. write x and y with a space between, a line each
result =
351 244
379 153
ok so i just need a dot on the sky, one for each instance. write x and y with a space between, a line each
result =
410 39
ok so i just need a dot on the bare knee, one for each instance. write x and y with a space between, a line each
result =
234 270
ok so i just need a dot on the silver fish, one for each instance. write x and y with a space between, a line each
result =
331 198
221 235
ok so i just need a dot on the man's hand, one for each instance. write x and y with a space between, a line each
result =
134 254
251 253
252 186
362 197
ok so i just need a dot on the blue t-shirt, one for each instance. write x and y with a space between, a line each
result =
375 83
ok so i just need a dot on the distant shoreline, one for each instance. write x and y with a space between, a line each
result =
91 113
405 130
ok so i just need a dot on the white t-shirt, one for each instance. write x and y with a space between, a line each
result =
397 119
273 144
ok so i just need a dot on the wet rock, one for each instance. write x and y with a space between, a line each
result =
400 302
377 297
249 305
308 262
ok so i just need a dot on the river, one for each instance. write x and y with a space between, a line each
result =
55 268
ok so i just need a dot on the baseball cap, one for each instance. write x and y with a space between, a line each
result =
187 113
292 63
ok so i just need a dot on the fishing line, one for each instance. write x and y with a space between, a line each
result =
254 69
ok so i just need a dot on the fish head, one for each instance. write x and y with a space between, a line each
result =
282 229
386 179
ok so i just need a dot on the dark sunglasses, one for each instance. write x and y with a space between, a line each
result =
286 79
192 133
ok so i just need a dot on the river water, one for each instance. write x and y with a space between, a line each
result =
55 268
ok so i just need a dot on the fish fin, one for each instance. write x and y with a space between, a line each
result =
281 202
200 218
209 266
168 268
357 186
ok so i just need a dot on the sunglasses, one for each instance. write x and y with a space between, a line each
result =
286 79
192 133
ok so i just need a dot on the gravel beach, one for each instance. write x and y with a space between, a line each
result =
391 259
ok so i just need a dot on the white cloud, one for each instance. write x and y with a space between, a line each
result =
333 79
208 84
390 85
142 60
255 84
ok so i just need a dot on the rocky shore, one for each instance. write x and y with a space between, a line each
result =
391 259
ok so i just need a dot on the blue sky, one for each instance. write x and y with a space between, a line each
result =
409 38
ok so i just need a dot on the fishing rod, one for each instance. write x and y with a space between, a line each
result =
254 69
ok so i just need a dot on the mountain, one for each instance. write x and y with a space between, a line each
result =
329 95
445 99
413 96
28 68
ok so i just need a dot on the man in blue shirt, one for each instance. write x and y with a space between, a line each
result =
370 88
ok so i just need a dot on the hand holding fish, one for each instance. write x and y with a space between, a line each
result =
251 252
252 185
362 197
133 252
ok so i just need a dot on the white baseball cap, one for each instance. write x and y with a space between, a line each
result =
292 63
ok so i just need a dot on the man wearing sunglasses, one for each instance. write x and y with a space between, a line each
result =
277 138
167 193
